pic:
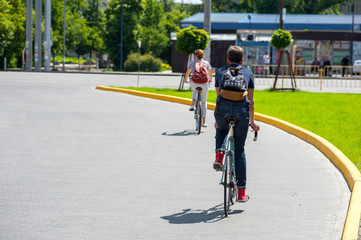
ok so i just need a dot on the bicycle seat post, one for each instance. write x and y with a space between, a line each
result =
231 125
232 121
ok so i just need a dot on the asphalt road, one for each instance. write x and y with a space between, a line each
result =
79 163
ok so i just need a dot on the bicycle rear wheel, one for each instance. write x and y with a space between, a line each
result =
198 117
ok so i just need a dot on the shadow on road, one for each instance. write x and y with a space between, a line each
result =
189 216
186 132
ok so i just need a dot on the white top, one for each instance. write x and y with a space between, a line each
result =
266 59
192 65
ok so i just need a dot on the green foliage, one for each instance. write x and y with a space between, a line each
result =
12 30
152 31
272 6
132 12
281 39
71 59
191 38
7 27
171 24
147 63
77 34
96 25
57 26
226 6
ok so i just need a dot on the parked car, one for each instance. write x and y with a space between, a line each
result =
357 67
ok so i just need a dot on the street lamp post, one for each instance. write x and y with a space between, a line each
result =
121 37
282 3
29 36
207 27
38 37
139 45
64 24
353 22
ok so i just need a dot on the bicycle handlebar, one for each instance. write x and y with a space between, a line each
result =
255 134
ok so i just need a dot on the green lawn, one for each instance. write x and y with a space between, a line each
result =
333 116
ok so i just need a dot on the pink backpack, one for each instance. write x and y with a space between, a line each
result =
200 74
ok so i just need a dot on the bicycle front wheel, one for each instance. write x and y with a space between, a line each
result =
227 185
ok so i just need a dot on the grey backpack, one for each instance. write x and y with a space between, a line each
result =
233 80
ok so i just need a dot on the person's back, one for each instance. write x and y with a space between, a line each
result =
197 66
266 59
345 61
240 104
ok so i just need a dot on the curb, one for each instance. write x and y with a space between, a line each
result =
348 169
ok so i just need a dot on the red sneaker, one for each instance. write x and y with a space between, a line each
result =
218 164
242 197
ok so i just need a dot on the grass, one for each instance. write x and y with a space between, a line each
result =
333 116
71 59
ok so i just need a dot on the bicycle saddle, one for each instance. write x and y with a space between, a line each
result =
199 89
234 119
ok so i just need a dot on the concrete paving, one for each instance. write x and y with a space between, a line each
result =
79 163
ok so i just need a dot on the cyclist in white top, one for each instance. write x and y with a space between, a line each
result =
198 57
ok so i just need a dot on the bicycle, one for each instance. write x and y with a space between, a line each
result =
228 179
198 111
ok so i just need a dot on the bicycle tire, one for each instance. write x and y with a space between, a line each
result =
233 192
227 186
199 117
225 178
196 115
233 189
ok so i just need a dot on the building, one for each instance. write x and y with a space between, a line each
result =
327 35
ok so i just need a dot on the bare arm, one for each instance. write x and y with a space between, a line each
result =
187 75
217 91
210 75
254 125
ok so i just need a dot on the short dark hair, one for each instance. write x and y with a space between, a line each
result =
235 54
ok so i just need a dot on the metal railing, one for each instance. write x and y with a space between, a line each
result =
308 76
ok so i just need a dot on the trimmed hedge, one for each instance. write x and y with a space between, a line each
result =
147 63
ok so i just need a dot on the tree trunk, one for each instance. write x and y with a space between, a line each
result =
181 84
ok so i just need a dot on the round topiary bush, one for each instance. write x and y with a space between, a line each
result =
281 39
147 63
190 39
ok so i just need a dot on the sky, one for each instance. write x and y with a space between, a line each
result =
189 1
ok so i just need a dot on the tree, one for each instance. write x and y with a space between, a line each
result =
272 6
96 24
77 34
171 24
188 40
152 32
281 39
132 12
12 30
57 26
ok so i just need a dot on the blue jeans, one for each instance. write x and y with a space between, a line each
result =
240 110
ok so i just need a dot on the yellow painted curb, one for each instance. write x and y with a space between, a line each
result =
149 95
348 169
